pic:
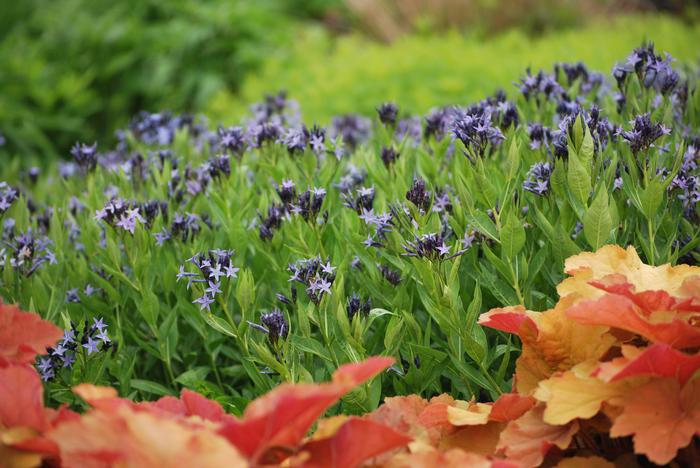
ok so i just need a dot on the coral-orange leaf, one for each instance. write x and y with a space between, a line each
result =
356 441
510 406
23 335
512 319
662 416
528 438
21 398
127 437
663 361
283 417
453 458
620 312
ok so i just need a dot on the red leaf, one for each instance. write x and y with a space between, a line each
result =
356 441
648 300
663 361
510 320
282 418
23 335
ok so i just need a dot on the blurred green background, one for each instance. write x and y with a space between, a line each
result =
79 69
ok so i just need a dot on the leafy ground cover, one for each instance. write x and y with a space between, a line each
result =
329 77
246 259
76 69
609 372
230 260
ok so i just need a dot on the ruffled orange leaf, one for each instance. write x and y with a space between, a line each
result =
663 417
23 335
620 312
189 404
661 360
356 441
21 399
453 458
510 406
558 343
527 439
127 437
578 395
280 419
614 260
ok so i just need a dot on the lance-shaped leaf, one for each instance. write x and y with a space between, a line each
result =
597 222
23 335
663 417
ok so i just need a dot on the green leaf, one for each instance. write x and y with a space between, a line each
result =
192 378
512 236
149 308
309 345
578 179
651 198
587 148
153 388
597 222
513 163
394 331
219 324
482 223
558 179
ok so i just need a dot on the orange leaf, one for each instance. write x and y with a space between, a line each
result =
510 406
662 416
189 404
481 440
557 343
453 458
131 438
578 395
356 441
23 335
280 419
21 398
614 260
620 312
528 439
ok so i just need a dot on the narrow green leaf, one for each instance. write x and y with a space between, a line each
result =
512 236
597 222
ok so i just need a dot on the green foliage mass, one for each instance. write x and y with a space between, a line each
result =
333 76
76 70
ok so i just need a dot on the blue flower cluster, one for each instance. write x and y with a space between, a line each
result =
26 251
7 196
213 266
92 339
315 274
